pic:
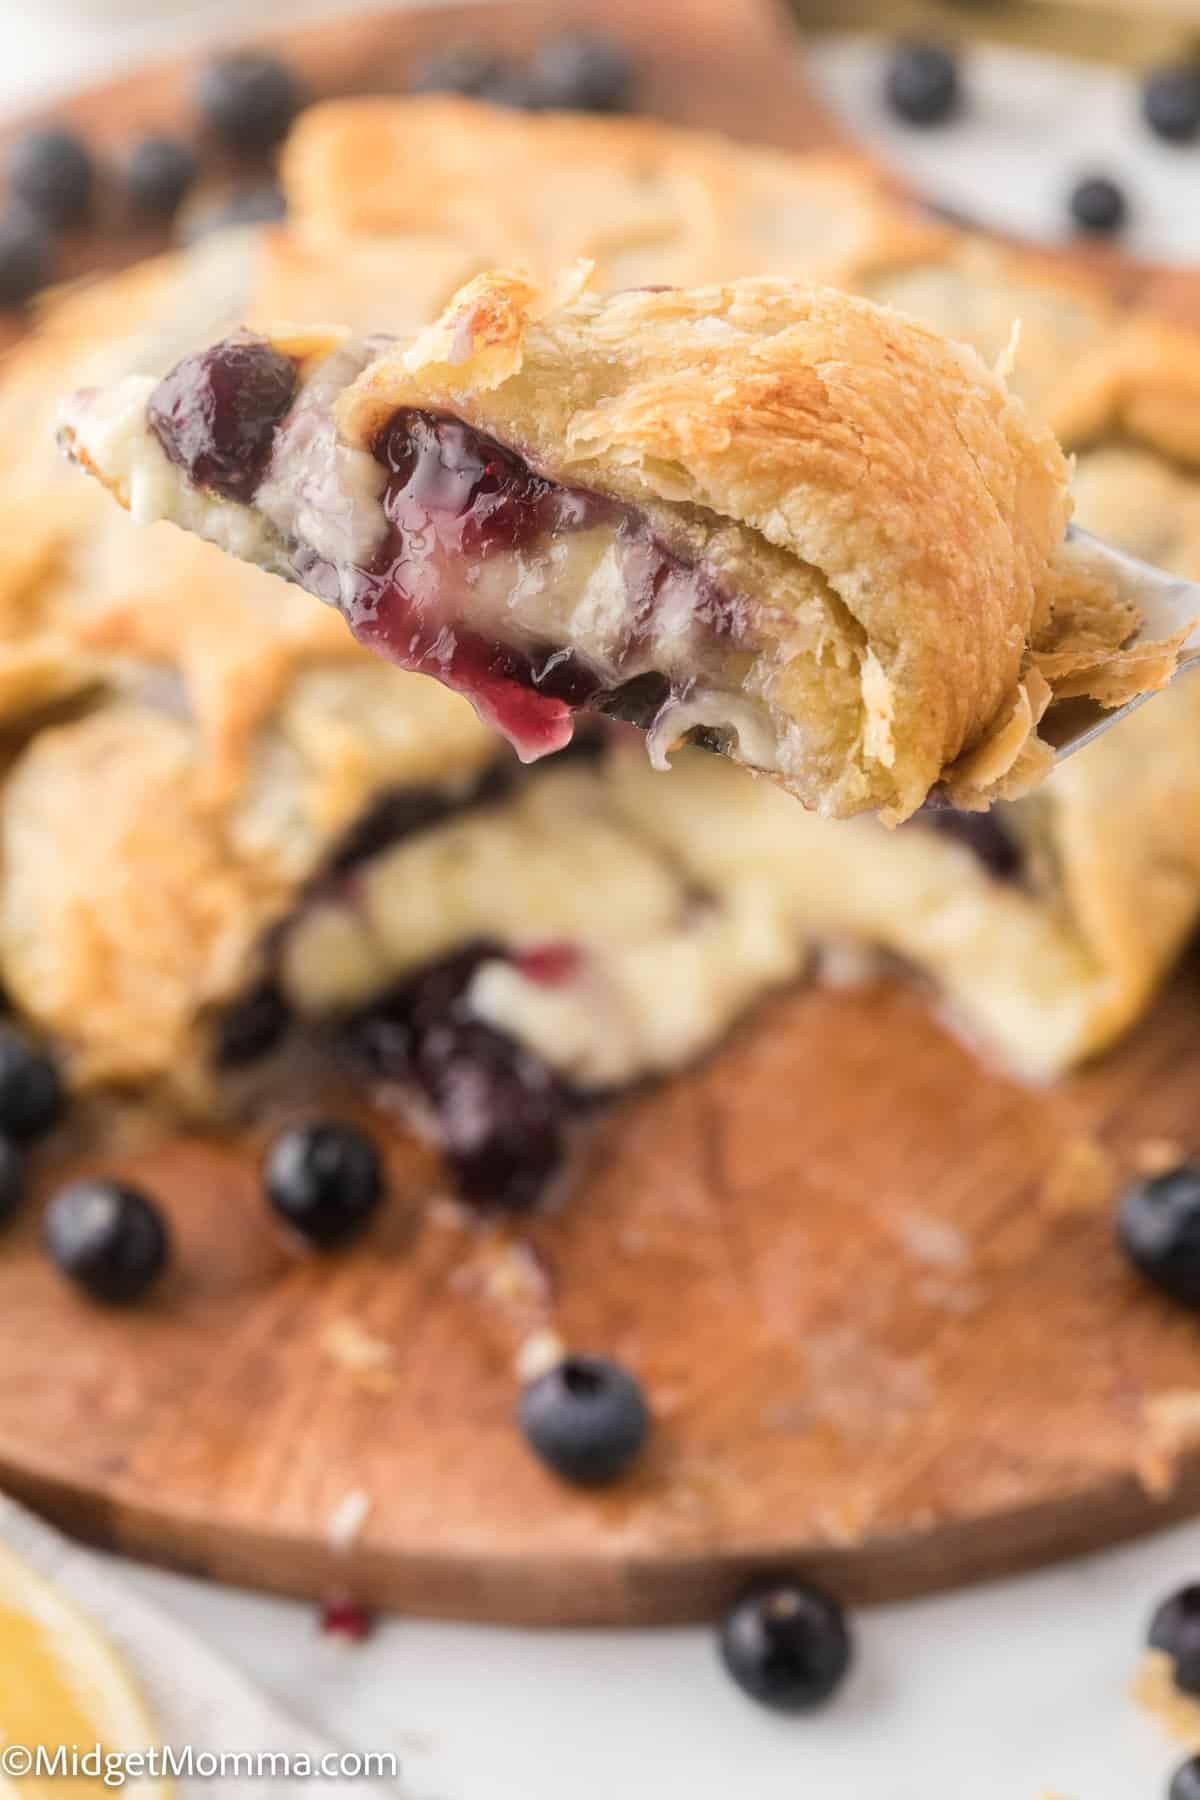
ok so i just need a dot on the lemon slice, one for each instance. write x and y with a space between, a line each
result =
62 1683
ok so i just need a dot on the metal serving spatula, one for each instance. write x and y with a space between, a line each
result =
1167 604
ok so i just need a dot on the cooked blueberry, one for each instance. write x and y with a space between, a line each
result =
216 413
26 256
465 69
108 1238
585 1418
249 100
592 74
252 1026
325 1180
1175 1629
52 172
1098 205
1185 1783
1171 102
922 84
637 701
31 1090
500 1111
1158 1227
12 1179
984 834
158 174
260 203
786 1645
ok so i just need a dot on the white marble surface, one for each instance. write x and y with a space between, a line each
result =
1010 1692
1004 1693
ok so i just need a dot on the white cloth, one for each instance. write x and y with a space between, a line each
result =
195 1697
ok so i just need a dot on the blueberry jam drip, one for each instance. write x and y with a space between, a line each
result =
501 1114
216 414
982 833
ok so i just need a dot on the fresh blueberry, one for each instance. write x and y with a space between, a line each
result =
1175 1630
158 174
31 1090
1171 102
51 171
585 1418
108 1238
786 1644
1185 1783
249 100
1098 205
260 203
216 413
12 1179
325 1180
465 69
26 256
589 73
252 1026
1158 1228
922 84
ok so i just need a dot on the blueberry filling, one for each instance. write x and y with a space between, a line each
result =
448 553
984 834
216 414
501 1114
453 497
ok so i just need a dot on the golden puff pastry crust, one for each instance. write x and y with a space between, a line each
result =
832 534
251 721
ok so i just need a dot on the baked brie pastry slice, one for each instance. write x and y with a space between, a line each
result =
788 524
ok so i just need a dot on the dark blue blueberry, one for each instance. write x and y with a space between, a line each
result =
1171 102
26 256
786 1644
249 100
1185 1783
108 1238
585 1418
464 69
585 72
922 84
1158 1228
1098 205
216 413
252 1026
158 174
51 171
31 1090
12 1179
1175 1629
325 1180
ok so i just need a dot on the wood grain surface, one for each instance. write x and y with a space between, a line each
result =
870 1284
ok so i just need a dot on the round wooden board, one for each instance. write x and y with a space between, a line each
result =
871 1289
870 1285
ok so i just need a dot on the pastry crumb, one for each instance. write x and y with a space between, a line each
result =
369 1360
1155 1692
1172 1421
1154 1156
347 1519
1080 1180
541 1351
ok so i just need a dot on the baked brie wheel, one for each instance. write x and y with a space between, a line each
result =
792 525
